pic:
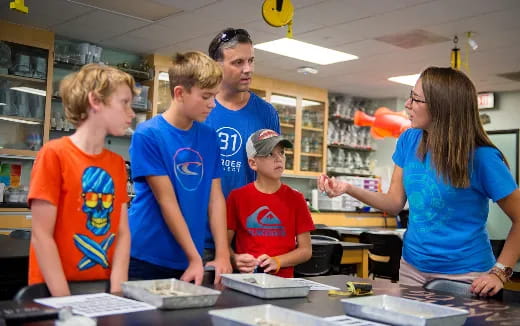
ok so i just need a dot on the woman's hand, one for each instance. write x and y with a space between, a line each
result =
486 285
331 186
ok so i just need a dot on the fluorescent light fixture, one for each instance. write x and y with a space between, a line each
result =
30 90
291 101
29 122
3 104
164 76
407 80
305 51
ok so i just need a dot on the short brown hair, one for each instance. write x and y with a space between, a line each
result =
194 69
100 79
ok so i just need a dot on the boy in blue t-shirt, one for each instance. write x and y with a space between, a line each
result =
176 172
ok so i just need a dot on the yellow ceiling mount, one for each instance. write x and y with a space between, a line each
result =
278 13
19 5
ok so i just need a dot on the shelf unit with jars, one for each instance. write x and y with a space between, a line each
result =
350 147
25 73
159 94
303 113
70 56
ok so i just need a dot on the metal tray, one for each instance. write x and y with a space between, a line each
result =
265 315
265 286
170 293
401 311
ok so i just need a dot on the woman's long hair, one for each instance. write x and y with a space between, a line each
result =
456 130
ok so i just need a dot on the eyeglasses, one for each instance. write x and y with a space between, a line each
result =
229 35
92 199
414 99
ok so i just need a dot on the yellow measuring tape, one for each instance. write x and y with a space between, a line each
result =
354 289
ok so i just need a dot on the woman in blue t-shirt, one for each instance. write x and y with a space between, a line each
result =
447 168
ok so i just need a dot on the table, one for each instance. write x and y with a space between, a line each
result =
14 264
353 253
482 312
352 234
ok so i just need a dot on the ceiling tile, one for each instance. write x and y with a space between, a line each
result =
97 26
43 14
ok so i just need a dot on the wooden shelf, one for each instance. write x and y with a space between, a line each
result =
137 74
311 154
313 129
18 153
360 149
24 79
13 118
287 125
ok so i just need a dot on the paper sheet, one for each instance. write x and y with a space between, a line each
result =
95 305
314 285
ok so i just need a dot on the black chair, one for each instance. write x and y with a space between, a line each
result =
328 232
322 237
496 246
384 258
40 290
325 260
20 234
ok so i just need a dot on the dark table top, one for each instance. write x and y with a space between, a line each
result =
13 248
482 312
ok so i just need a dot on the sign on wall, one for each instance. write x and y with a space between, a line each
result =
486 101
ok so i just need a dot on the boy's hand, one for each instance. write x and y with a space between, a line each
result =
194 272
245 263
222 266
269 264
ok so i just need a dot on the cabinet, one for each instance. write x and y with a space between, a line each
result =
349 146
71 56
303 113
25 72
159 94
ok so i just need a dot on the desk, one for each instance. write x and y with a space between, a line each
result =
353 253
14 262
352 234
482 312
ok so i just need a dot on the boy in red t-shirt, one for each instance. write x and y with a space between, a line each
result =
78 192
270 221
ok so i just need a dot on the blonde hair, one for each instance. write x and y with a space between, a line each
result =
194 69
99 79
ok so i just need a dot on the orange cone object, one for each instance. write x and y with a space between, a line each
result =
384 123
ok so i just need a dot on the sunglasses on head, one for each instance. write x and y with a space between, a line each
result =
230 35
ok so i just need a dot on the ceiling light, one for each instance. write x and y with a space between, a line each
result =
307 70
472 43
29 122
291 101
164 76
407 80
305 51
30 90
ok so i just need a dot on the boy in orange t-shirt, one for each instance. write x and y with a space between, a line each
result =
78 192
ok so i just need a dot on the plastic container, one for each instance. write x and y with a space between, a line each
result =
140 101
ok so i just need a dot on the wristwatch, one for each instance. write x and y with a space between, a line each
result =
502 271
